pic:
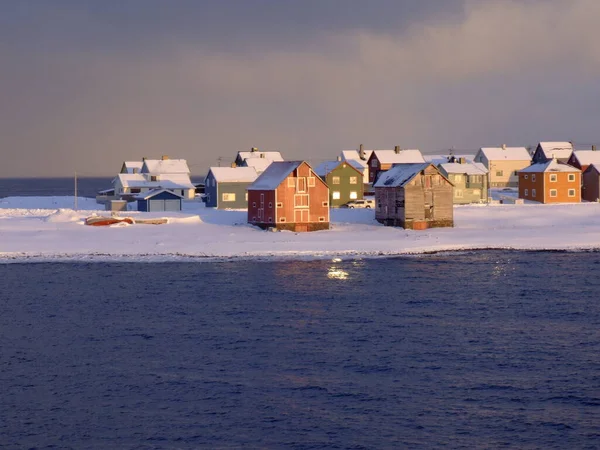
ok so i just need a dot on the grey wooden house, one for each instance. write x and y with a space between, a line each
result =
414 196
590 191
226 187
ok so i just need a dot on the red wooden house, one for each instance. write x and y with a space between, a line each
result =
288 195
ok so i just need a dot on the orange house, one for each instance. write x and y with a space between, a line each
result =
288 195
550 182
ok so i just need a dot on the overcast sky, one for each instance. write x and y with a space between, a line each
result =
87 84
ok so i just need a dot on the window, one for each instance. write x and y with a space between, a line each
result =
291 182
458 193
458 178
374 163
254 219
526 176
254 204
228 197
571 192
335 195
526 192
335 180
279 205
571 177
246 196
353 195
301 184
311 181
516 173
270 219
499 173
552 192
533 179
321 219
153 178
353 180
282 219
533 193
553 177
270 205
135 190
301 201
325 204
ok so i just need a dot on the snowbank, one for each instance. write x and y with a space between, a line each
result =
206 234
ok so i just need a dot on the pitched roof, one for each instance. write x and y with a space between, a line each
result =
399 175
271 156
556 149
506 153
165 166
587 157
259 164
468 168
131 165
137 180
234 174
441 159
550 166
403 157
325 167
274 175
153 192
354 155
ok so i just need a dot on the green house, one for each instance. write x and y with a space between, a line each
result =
345 181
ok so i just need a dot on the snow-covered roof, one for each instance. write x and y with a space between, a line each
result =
153 192
593 166
165 166
274 175
399 175
137 180
441 159
403 157
506 153
234 174
271 156
131 166
587 157
556 149
468 168
325 167
259 164
354 155
550 166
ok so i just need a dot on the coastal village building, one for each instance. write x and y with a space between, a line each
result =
503 164
414 196
344 179
289 196
550 182
590 190
226 187
450 157
171 174
382 160
158 200
257 159
582 159
546 151
469 180
132 167
358 157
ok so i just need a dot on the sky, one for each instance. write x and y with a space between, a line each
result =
88 84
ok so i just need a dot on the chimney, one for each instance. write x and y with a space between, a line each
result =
262 155
233 165
462 160
361 152
593 147
503 146
397 149
339 158
143 158
165 157
254 149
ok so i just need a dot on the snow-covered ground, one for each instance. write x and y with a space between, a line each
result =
47 228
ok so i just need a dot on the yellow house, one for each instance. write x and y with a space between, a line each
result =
503 164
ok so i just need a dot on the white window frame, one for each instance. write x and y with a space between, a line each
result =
228 197
282 219
279 205
353 195
374 163
526 176
526 192
571 193
553 178
533 177
335 180
311 182
302 197
553 193
571 177
533 193
458 193
325 204
301 184
353 180
291 182
335 195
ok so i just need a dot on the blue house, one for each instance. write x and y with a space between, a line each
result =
226 187
159 200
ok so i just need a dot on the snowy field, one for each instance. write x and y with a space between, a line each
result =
48 228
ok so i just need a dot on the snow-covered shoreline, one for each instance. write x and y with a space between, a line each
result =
40 229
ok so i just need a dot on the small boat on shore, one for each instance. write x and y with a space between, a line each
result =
98 221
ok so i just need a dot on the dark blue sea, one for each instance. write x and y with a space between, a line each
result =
473 350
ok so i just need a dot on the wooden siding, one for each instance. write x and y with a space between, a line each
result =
469 189
591 185
502 173
540 181
344 172
424 202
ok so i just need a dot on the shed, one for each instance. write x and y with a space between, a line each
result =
414 196
159 200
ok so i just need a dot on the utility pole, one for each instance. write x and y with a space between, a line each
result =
75 190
